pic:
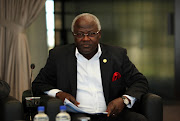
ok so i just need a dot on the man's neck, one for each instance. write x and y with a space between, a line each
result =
89 56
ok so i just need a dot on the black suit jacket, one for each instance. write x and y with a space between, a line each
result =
60 72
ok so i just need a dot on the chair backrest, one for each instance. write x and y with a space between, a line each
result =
11 109
152 107
4 89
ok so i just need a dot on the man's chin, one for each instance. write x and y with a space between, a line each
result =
85 51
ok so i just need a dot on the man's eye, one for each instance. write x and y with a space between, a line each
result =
92 34
79 34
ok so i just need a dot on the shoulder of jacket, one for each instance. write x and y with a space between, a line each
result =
63 49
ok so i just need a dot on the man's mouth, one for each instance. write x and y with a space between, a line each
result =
86 45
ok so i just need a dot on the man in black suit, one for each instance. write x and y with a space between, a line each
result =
4 89
94 76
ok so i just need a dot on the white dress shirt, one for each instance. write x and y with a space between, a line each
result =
89 84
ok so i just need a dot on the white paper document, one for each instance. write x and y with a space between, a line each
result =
74 109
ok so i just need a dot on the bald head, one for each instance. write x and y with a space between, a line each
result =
85 20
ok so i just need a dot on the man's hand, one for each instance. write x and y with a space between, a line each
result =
63 95
115 107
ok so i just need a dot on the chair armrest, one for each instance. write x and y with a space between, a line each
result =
152 107
11 109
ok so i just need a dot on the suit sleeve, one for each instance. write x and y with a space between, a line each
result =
136 82
46 79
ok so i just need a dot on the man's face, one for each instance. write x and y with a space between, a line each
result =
86 44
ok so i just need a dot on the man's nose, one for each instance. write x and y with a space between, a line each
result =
86 37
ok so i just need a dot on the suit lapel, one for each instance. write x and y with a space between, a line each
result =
106 68
72 71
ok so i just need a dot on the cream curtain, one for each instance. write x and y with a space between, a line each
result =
15 17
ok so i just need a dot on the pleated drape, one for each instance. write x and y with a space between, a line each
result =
15 17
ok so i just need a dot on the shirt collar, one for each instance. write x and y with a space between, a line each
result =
96 56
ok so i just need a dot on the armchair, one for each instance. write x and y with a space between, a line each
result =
151 106
11 109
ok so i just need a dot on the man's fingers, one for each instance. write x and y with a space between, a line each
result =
110 109
63 95
109 112
114 113
76 103
115 107
73 100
